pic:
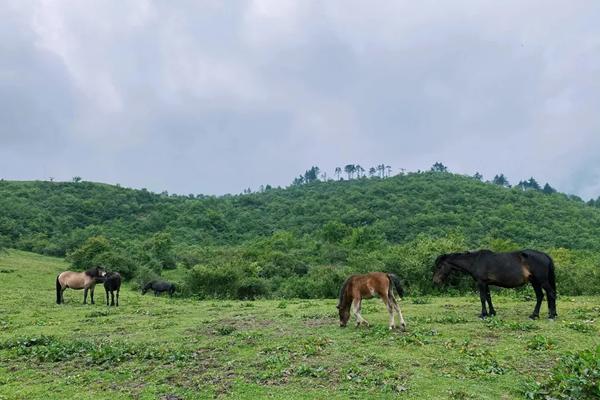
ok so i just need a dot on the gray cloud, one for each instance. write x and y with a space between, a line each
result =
213 97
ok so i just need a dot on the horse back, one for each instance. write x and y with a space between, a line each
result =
75 280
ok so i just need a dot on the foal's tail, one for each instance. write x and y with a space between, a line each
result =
396 281
58 290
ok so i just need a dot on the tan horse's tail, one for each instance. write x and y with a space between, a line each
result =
58 290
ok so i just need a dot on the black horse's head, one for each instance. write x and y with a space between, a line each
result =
96 272
146 287
442 269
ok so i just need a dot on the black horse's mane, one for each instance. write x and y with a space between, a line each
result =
92 271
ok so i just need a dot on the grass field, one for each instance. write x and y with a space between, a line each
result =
161 348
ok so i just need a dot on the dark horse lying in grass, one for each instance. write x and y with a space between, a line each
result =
358 287
158 287
507 270
78 280
112 284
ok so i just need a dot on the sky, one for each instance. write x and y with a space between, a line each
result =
212 97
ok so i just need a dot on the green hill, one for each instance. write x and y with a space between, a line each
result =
279 236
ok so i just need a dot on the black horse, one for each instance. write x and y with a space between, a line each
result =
112 284
158 287
507 270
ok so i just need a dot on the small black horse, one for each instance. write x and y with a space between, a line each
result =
158 287
509 270
112 284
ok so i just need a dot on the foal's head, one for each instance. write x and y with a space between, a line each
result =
344 311
344 304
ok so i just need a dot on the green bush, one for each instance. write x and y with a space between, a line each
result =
575 377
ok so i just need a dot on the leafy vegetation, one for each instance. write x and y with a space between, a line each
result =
301 241
162 348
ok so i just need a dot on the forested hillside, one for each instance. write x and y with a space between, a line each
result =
278 241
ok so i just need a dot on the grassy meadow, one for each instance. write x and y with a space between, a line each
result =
161 348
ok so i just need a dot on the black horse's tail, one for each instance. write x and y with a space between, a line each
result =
552 275
58 290
396 281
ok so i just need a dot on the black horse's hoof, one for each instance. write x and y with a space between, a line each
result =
534 316
483 316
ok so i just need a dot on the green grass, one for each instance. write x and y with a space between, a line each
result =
165 348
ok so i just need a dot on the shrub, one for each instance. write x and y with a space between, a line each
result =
213 282
575 377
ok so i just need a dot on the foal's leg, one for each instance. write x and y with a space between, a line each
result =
85 291
397 308
92 294
483 297
356 308
539 297
489 300
388 305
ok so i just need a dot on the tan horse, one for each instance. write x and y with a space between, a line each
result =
78 280
358 287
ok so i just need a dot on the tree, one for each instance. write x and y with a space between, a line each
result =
501 180
389 170
350 169
76 179
478 176
338 172
372 171
359 170
311 175
439 167
548 189
297 181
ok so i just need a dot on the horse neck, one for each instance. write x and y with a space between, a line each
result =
466 266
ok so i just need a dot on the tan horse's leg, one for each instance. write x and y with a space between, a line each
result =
356 308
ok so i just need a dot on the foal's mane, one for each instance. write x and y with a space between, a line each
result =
343 291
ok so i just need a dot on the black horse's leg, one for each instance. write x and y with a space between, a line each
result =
85 291
489 300
92 294
106 291
118 297
112 297
155 293
539 297
483 297
551 294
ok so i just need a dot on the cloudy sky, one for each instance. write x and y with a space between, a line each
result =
217 96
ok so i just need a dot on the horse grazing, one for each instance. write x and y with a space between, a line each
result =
158 287
508 270
78 280
358 287
112 284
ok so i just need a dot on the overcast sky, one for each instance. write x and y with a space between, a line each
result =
216 96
